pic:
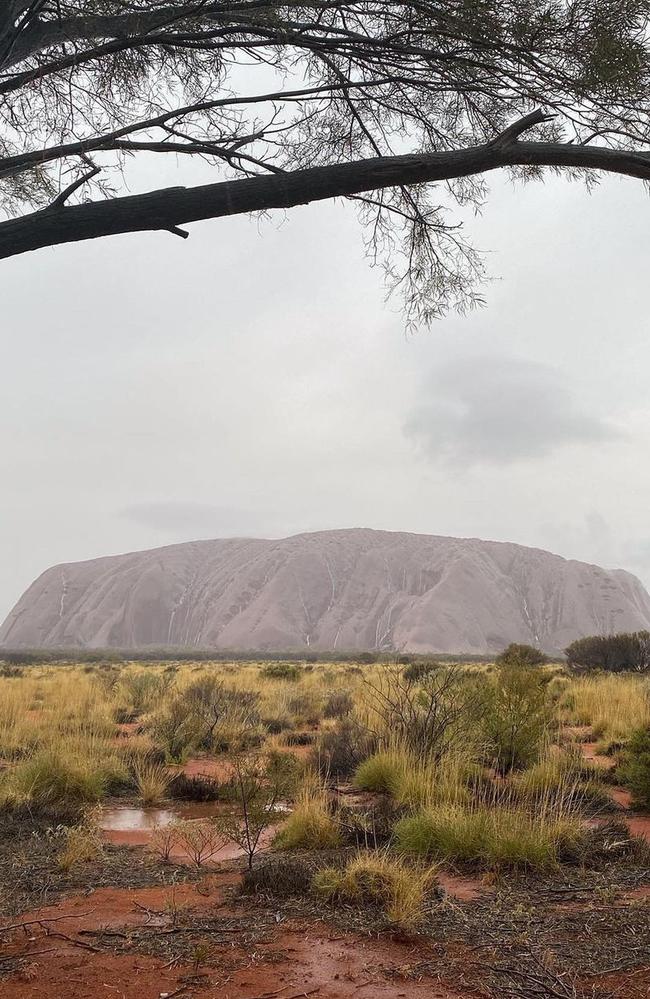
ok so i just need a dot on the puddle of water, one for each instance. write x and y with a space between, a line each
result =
124 819
130 826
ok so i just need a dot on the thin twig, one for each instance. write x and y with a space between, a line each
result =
46 919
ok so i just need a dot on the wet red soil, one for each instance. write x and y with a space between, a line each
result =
216 768
639 825
589 753
295 959
620 796
461 887
638 822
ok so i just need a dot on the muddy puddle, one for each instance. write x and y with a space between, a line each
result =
130 825
125 818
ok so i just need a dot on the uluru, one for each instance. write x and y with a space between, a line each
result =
345 590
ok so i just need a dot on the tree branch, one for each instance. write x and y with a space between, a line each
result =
61 199
512 132
167 209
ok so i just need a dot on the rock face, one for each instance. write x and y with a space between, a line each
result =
347 590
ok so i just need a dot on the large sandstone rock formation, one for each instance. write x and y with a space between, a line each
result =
346 590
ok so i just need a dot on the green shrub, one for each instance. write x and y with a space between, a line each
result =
417 671
516 718
626 651
281 671
517 654
305 708
634 771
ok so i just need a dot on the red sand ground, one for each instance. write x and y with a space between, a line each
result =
589 753
305 959
296 959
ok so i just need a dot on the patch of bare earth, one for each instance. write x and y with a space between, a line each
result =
144 943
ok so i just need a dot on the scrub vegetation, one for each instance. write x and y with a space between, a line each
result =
411 765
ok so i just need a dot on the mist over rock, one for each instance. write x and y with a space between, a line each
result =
349 590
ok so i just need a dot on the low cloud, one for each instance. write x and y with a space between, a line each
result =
499 411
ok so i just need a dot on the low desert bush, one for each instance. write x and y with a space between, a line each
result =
163 841
341 749
380 880
287 876
277 723
517 654
634 770
281 671
339 704
199 839
195 788
173 730
304 708
417 671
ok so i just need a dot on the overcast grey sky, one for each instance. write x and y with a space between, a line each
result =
252 380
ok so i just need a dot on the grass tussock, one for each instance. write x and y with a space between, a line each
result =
48 783
490 837
612 705
152 781
379 879
81 845
311 825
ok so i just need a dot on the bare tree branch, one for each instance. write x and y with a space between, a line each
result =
168 208
470 87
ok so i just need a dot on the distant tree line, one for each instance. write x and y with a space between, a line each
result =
35 656
625 652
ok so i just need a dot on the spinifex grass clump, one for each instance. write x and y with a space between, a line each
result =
311 825
414 782
490 837
612 705
380 880
152 781
51 784
561 780
382 773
